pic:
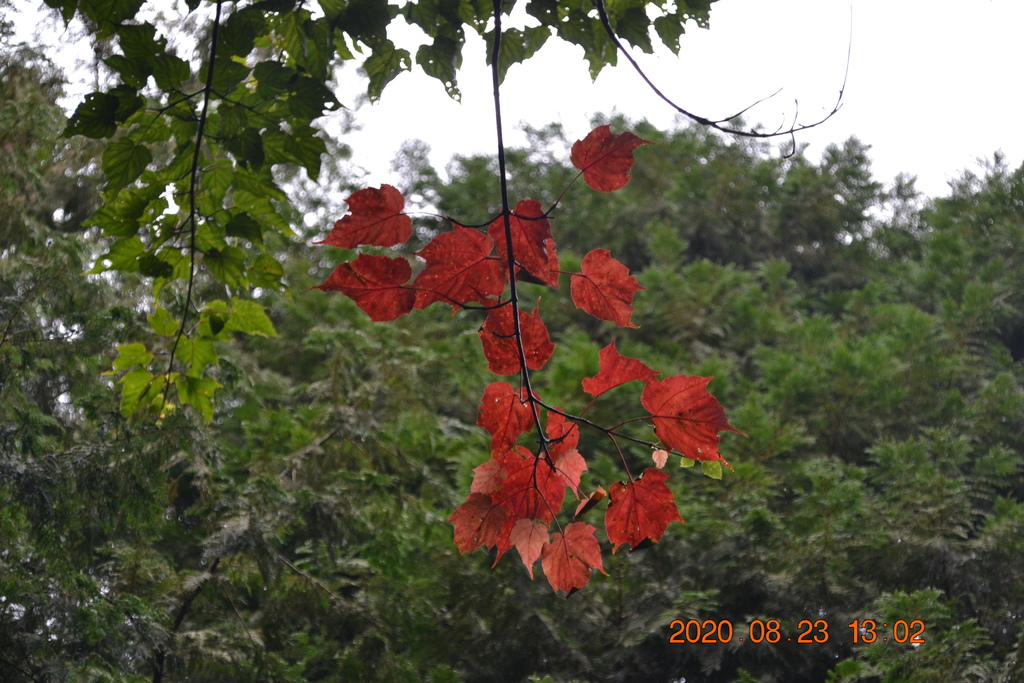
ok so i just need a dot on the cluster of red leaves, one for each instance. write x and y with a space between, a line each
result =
518 493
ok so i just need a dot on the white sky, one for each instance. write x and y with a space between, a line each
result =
933 85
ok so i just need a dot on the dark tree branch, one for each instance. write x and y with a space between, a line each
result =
193 191
506 212
719 123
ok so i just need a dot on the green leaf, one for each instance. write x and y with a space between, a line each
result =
136 390
108 14
258 184
197 392
711 468
633 25
139 44
266 271
213 319
383 65
232 120
243 225
124 161
170 72
227 265
227 74
95 117
132 73
686 462
251 318
216 180
441 60
128 102
197 354
367 21
308 98
129 355
272 78
516 46
670 27
123 255
247 147
108 220
238 33
304 150
162 322
151 265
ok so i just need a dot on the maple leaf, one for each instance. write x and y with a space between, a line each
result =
460 269
615 370
568 559
477 522
562 435
687 418
376 284
488 478
498 338
604 288
606 159
640 509
570 466
529 537
375 218
532 244
533 488
505 414
591 500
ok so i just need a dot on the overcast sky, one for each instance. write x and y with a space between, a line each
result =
933 85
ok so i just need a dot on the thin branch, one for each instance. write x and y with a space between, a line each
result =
194 190
506 212
312 579
718 124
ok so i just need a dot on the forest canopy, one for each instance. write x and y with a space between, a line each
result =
291 525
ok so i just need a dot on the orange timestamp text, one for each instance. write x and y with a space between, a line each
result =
808 631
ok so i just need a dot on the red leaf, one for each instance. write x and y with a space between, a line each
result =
375 283
529 537
686 416
562 435
568 559
660 458
477 522
533 489
488 478
375 218
605 159
531 240
570 466
640 509
605 288
459 269
592 500
505 414
498 338
616 370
